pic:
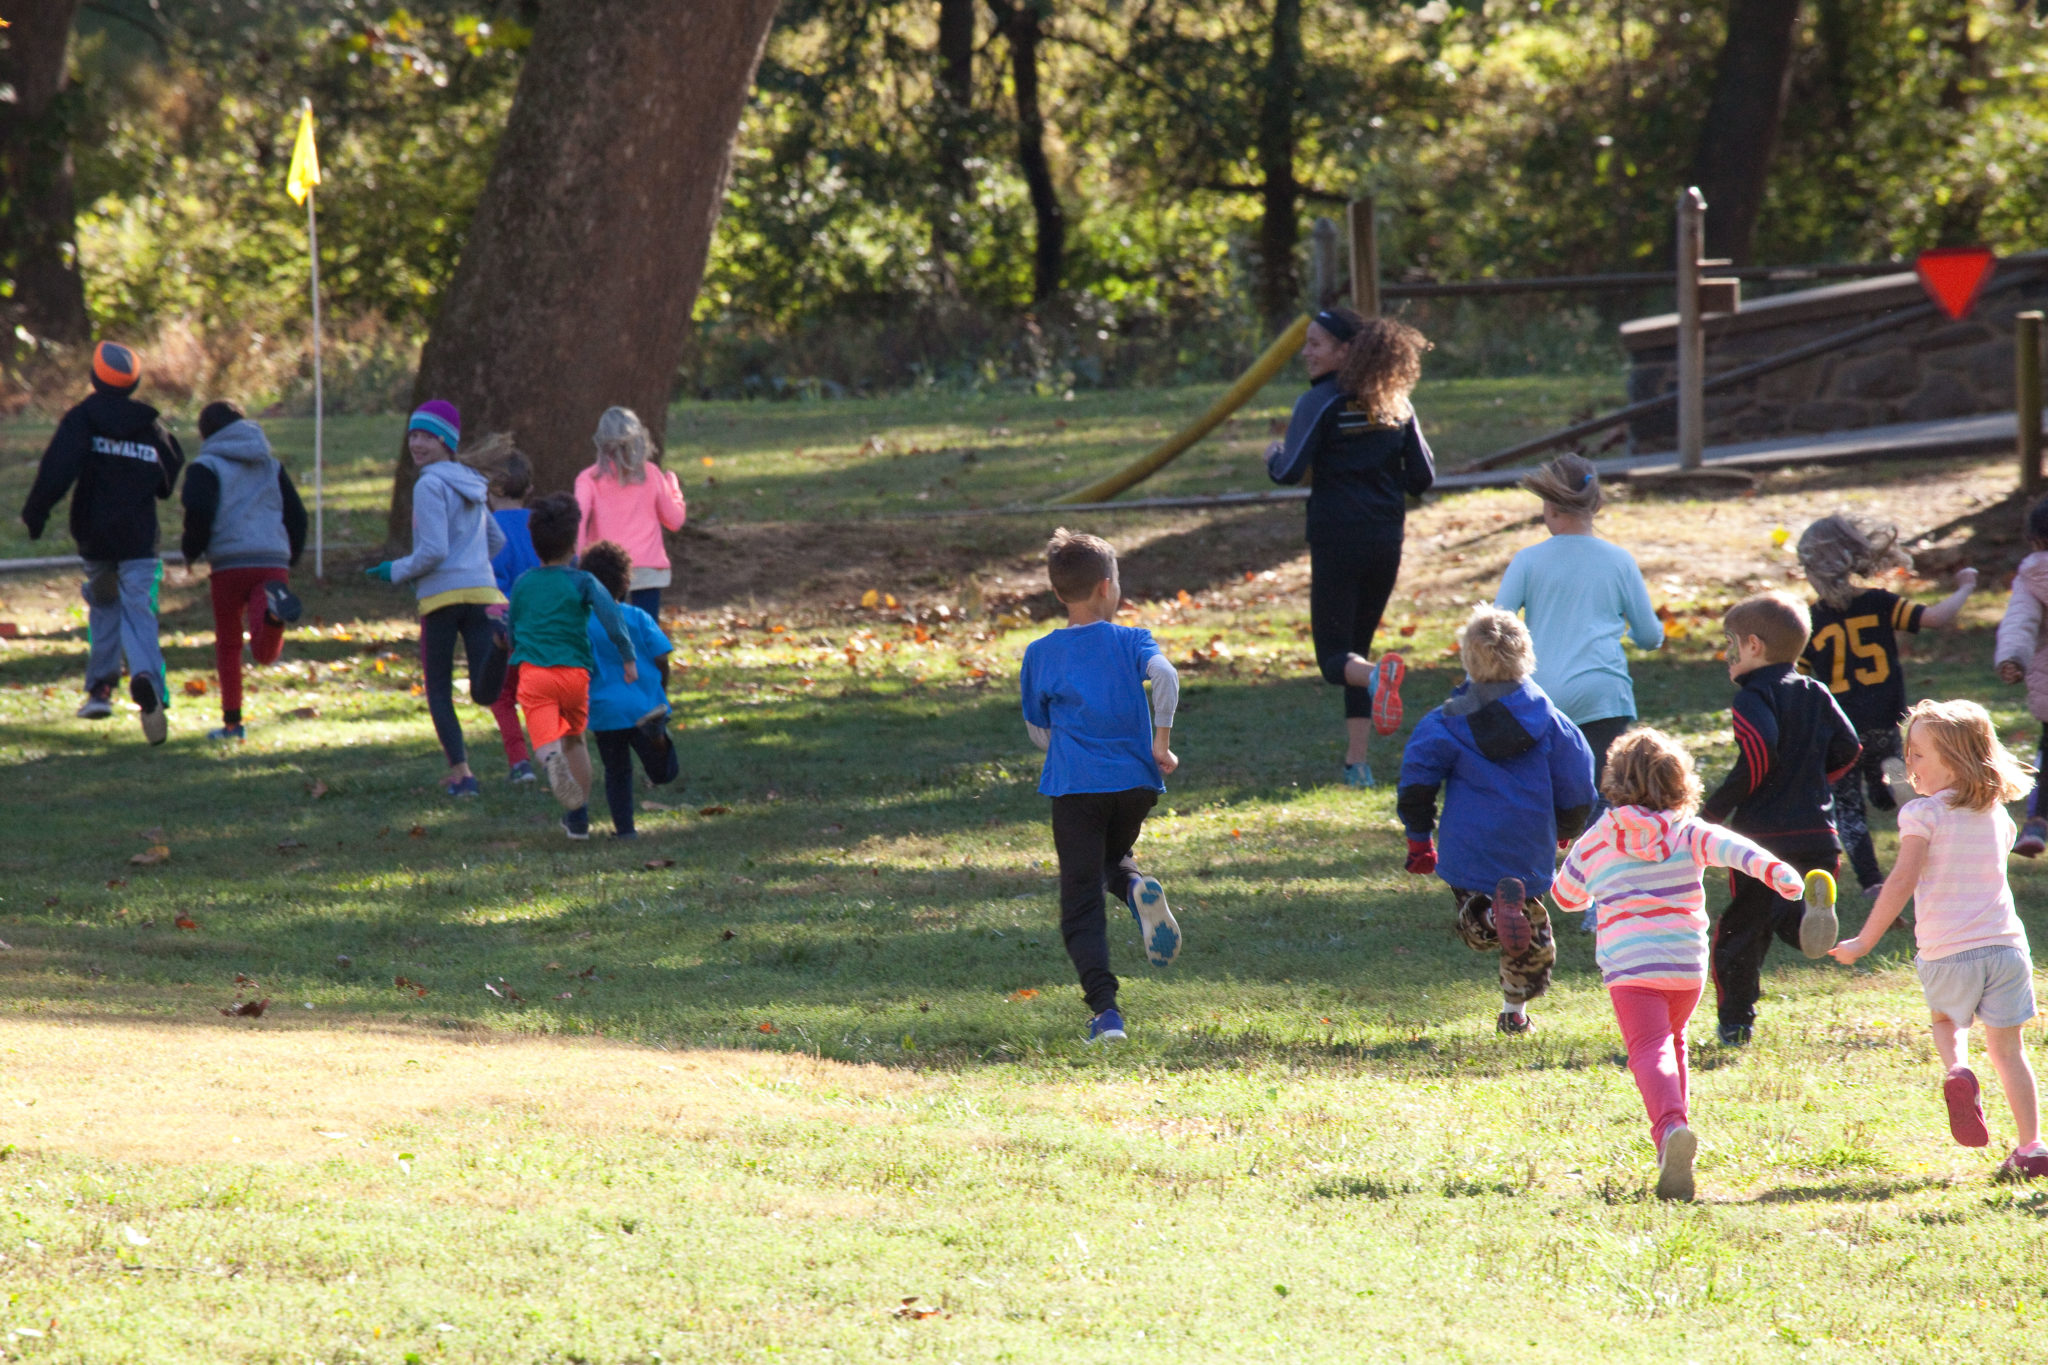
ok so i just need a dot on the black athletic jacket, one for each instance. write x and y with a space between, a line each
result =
123 462
1792 744
1364 472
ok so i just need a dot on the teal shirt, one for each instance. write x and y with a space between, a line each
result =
550 606
1578 595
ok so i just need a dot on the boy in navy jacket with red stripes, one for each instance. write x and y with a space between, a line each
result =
1792 744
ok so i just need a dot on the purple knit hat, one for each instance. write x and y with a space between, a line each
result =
438 418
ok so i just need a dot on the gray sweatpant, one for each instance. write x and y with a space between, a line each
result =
123 627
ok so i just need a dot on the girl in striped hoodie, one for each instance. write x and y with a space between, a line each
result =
1640 866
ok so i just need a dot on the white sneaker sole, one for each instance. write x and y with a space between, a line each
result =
1819 928
1157 927
1674 1168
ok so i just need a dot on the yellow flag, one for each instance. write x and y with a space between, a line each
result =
305 171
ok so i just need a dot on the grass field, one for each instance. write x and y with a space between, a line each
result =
811 1048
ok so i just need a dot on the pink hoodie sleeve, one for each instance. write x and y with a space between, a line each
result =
668 501
586 502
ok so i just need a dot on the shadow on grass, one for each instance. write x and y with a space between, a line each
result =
1867 1191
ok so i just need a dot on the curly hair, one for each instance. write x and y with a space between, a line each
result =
1648 768
1838 549
608 562
1381 366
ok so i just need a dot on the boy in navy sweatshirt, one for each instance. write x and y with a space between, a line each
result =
1106 749
1517 779
123 462
1792 744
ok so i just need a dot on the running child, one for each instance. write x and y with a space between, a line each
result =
1517 778
124 462
1855 651
1973 960
1580 594
453 539
244 517
551 644
627 498
1639 869
1106 751
2022 656
1792 744
628 718
511 482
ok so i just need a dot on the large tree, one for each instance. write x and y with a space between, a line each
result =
585 253
1740 132
38 251
1022 24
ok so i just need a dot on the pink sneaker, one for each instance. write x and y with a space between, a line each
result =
1510 919
1386 694
1965 1108
2033 840
2026 1163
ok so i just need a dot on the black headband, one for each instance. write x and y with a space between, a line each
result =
1337 325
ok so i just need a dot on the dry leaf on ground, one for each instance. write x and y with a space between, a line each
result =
151 856
246 1009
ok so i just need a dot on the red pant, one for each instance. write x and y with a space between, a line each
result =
1653 1020
505 710
238 596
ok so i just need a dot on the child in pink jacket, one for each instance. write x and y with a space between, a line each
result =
2022 656
627 500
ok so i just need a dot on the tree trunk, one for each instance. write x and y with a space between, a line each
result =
953 86
38 248
1279 286
1022 25
587 248
1958 221
1733 160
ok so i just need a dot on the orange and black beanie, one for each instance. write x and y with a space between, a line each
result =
115 367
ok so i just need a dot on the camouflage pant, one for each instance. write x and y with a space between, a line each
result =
1526 976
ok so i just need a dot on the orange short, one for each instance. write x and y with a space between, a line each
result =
556 701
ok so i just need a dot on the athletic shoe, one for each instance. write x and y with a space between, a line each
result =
1873 891
1514 1023
1674 1165
560 780
1106 1027
1901 786
522 771
1965 1108
98 704
1386 693
626 834
654 725
576 823
1157 928
156 724
227 732
463 786
2025 1163
284 607
2033 840
1510 919
1736 1035
1359 774
1819 928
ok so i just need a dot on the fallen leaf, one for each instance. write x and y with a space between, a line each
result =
654 805
49 902
418 831
566 995
329 1133
909 1309
316 789
728 934
305 713
134 1238
1027 993
287 843
195 687
656 864
554 966
147 924
244 979
1402 952
344 961
186 922
246 1009
1407 630
151 856
589 973
765 1027
714 810
9 631
116 883
870 599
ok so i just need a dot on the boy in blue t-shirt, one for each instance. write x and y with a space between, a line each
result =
628 718
509 487
1105 751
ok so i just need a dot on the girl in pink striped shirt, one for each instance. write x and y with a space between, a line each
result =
1639 866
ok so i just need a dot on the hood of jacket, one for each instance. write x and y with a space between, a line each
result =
458 481
1640 832
240 442
2033 571
1505 718
119 416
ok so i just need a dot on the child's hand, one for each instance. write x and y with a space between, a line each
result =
1422 856
380 572
1166 758
1966 579
1848 950
631 672
2012 671
1273 451
1787 882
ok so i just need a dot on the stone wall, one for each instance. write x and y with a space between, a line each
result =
1924 370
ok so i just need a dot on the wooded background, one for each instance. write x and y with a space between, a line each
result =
1052 193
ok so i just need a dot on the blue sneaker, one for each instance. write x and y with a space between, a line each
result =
228 732
1157 928
576 823
522 771
1359 774
1106 1027
463 786
283 606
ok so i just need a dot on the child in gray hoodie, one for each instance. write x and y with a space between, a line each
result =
244 517
454 537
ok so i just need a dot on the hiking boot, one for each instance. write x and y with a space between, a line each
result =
1819 928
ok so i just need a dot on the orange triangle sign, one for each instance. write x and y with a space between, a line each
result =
1953 276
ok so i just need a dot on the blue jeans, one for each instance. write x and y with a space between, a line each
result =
123 628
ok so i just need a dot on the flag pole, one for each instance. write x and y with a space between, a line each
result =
319 403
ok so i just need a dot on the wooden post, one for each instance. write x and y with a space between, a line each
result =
1692 350
1365 257
2026 353
1322 263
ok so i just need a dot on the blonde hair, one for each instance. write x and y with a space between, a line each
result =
489 455
1842 547
1961 732
1570 482
1381 367
1647 767
1495 646
1779 619
622 445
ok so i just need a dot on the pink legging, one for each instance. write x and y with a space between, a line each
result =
505 710
1653 1020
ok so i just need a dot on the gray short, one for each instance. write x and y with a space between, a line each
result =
1994 984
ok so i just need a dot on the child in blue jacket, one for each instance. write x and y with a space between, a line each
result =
628 718
1517 779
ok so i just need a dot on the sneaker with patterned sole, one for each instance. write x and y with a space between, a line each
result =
283 604
1895 779
1157 928
1674 1165
1965 1099
2025 1163
1357 774
1106 1027
156 722
1819 928
2033 840
1505 1022
1386 693
1511 917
